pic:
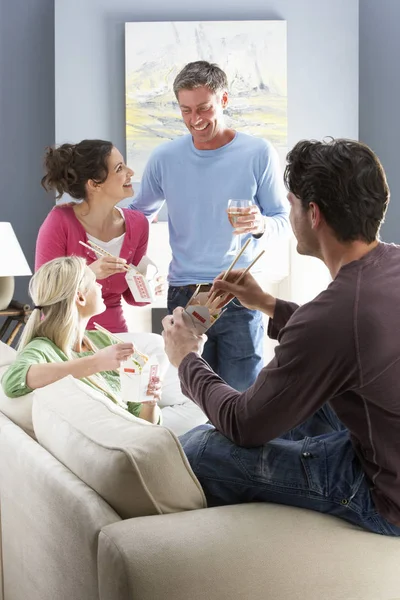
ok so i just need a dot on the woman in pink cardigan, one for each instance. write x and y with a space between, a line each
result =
94 173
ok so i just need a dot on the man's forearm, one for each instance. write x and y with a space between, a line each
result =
282 312
267 305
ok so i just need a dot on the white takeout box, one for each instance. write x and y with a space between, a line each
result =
134 382
142 280
199 317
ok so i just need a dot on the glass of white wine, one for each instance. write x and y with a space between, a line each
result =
238 208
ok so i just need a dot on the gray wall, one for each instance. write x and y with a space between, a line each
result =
322 61
26 118
89 64
380 95
323 41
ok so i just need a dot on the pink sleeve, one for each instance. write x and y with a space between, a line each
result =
52 240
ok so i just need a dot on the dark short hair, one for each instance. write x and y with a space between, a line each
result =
346 180
201 73
70 166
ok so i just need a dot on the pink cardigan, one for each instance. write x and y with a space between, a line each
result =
59 235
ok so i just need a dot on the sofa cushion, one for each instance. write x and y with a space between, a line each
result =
7 354
138 468
247 552
19 410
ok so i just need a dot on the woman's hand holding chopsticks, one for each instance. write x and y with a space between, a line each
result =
108 265
111 357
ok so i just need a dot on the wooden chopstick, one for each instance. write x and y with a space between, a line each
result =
118 339
193 296
101 252
104 330
229 269
96 250
238 280
247 269
233 263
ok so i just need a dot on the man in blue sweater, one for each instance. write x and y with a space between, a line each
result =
196 175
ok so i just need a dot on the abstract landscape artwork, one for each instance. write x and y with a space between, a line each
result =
253 55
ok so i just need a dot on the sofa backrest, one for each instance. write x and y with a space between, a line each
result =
138 468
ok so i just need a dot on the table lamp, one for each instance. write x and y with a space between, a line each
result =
12 263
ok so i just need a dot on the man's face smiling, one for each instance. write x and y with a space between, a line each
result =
202 112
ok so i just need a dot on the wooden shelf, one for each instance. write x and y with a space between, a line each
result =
16 315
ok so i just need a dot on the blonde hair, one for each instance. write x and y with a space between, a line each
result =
53 289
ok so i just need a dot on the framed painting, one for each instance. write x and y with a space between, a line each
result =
253 55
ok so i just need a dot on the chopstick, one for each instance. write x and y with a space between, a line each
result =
118 339
121 341
220 299
229 269
104 330
101 252
193 296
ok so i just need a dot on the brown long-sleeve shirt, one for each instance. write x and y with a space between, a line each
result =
343 347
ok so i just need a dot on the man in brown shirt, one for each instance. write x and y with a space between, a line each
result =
320 427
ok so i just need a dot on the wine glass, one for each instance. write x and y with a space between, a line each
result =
237 208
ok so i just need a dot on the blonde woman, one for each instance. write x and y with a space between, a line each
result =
55 342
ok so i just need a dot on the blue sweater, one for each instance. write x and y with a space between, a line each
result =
197 184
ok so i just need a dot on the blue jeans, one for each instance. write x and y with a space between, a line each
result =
234 349
312 466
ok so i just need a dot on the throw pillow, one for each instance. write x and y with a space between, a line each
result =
138 468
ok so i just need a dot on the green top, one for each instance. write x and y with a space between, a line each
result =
42 350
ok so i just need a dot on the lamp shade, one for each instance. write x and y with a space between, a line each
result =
12 259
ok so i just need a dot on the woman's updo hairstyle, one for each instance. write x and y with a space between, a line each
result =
70 166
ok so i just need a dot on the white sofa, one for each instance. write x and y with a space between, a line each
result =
105 507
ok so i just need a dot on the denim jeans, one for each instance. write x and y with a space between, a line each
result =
312 466
234 349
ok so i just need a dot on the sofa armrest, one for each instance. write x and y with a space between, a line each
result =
50 523
252 551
